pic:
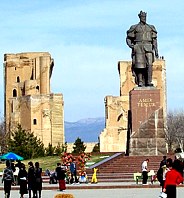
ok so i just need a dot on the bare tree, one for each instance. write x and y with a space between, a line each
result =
175 130
180 132
3 137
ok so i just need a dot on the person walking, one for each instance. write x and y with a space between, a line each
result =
31 180
16 172
38 184
173 178
145 171
8 179
22 180
60 173
161 173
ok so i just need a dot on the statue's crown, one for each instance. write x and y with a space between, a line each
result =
142 13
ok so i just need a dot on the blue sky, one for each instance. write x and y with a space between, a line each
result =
86 38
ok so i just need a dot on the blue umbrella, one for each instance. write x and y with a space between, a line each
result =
11 156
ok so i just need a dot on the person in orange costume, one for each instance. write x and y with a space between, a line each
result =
94 177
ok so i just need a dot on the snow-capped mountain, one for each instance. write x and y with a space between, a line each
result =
87 129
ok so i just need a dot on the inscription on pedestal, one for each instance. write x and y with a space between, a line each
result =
146 102
142 104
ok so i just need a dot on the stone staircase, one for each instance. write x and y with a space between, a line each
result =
120 168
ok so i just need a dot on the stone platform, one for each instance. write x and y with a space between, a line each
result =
147 136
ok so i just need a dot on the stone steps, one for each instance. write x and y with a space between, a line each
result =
122 168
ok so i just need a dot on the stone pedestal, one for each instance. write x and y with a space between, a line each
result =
147 122
143 102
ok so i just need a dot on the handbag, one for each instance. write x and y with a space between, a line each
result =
163 195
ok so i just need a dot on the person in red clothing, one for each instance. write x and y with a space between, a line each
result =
173 178
60 172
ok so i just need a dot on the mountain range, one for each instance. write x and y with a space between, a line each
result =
87 129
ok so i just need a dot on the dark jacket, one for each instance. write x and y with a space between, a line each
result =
60 173
72 167
8 174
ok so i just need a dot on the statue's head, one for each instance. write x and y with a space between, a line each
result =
142 16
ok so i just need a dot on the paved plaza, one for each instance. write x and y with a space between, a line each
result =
104 193
100 190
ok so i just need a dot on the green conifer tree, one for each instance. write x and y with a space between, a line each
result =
79 146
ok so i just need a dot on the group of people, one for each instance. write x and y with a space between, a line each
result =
61 174
30 181
169 174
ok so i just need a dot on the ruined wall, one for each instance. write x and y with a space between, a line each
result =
28 100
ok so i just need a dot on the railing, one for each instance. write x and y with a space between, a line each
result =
105 160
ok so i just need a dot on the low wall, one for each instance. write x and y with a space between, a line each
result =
89 147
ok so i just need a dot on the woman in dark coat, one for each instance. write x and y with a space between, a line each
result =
60 172
22 180
31 180
38 176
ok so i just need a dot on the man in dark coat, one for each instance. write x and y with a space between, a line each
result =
8 179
